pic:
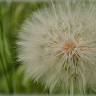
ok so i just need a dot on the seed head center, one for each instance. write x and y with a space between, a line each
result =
69 47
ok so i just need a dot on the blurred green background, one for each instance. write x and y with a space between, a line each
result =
12 15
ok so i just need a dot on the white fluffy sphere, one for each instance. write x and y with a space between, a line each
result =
58 46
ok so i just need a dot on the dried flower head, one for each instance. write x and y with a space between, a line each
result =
58 46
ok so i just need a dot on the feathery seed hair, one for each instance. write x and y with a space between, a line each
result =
58 46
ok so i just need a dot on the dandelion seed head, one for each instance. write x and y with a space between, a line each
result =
59 48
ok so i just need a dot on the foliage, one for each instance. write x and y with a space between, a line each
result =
12 15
